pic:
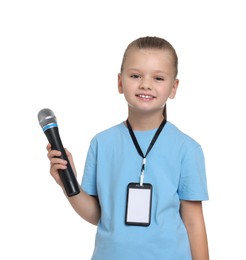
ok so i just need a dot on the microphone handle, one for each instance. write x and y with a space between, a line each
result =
67 176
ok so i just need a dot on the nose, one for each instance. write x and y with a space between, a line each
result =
145 84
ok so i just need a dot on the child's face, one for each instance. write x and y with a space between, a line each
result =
147 79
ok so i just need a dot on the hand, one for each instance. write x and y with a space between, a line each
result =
57 164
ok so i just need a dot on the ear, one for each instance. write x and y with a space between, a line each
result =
174 89
120 87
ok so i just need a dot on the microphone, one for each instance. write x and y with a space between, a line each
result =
48 123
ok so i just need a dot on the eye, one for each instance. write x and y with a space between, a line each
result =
135 76
159 78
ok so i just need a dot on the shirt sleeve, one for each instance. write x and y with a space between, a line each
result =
88 183
193 182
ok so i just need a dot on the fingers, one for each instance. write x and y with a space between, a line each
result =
56 163
48 147
53 153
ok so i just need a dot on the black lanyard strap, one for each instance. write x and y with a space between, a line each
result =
140 152
134 139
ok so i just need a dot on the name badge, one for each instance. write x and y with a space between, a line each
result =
138 204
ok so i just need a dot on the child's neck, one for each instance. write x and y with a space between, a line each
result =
145 122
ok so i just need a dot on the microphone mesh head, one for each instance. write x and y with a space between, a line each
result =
46 116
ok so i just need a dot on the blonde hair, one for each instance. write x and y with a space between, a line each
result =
157 43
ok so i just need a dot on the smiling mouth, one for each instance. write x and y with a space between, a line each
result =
145 97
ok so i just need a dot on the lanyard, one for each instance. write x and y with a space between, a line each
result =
140 152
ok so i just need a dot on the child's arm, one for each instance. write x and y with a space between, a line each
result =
85 205
192 215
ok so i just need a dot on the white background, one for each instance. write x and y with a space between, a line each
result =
65 55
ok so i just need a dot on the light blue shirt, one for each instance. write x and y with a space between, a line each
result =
175 167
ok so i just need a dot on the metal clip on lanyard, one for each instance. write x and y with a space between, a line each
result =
134 139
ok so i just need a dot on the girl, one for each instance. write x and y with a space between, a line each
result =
144 179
